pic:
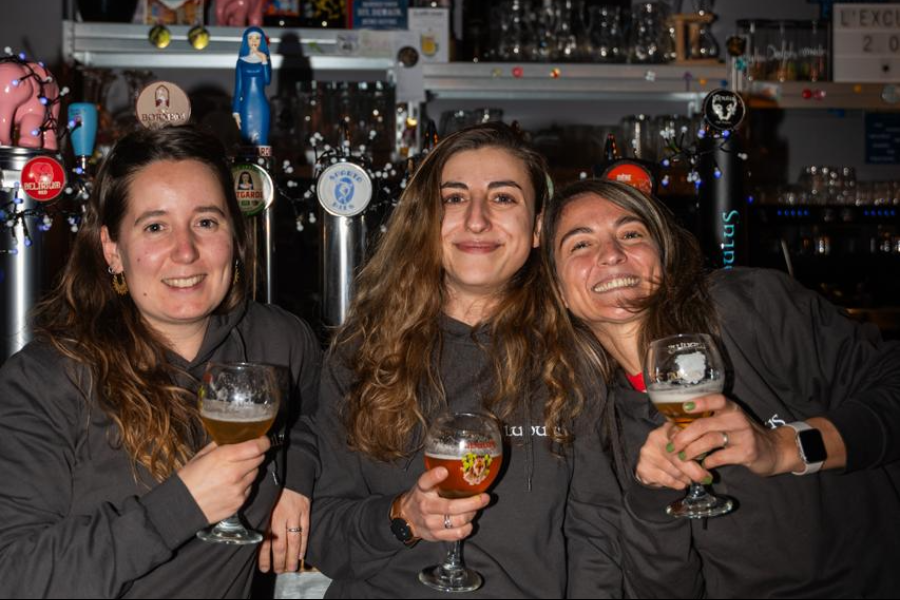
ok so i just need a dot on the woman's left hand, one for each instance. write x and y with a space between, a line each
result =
731 437
285 542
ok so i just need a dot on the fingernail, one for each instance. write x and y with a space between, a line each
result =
682 455
689 406
707 480
670 447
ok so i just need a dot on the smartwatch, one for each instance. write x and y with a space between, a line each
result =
811 446
399 526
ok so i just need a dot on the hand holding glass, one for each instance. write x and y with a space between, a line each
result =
681 368
469 446
238 403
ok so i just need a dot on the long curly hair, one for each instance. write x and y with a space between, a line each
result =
156 421
392 337
680 304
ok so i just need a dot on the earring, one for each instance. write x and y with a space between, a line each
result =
118 282
237 274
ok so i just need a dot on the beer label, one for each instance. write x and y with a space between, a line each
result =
631 174
476 467
253 187
724 110
344 189
161 104
43 178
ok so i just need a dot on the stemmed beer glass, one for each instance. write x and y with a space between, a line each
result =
469 446
679 369
238 403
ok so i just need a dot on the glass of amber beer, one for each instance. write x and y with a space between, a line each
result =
238 403
469 446
680 368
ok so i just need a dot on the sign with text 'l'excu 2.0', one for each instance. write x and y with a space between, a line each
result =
866 43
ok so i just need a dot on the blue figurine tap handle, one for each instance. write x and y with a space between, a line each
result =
253 73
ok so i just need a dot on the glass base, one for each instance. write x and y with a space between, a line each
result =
701 507
230 531
456 580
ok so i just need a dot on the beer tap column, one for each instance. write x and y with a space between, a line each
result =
253 164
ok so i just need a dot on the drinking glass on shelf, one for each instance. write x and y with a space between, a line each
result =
238 402
469 446
679 369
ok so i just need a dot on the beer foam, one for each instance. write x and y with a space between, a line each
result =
237 412
665 393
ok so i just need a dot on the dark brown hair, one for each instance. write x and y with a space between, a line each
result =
681 304
85 319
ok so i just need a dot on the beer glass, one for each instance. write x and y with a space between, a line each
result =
469 446
680 368
238 403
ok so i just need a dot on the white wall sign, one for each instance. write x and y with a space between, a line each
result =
866 43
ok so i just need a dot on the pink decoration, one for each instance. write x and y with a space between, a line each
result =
239 13
23 105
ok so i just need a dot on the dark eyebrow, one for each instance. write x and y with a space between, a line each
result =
458 185
572 232
152 214
626 219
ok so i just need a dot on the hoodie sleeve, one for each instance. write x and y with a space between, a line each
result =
47 549
303 452
350 536
830 365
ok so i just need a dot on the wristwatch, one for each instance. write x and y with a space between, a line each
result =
811 446
399 526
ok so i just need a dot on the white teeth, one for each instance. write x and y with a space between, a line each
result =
185 282
620 282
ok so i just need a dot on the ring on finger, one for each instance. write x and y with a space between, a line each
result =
447 523
724 440
295 530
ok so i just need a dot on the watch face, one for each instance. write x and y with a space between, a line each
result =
812 446
400 529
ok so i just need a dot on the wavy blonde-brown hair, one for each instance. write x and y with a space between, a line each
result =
156 421
392 337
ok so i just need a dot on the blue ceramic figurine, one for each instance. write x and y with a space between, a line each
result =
252 74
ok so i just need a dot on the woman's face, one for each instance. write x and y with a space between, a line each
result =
175 244
253 41
488 227
605 260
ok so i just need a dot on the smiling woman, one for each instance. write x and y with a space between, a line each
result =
107 474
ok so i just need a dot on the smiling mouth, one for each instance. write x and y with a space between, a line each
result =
477 246
184 282
616 284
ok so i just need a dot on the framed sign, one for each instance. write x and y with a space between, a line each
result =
866 43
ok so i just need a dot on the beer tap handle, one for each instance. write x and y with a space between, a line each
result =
83 122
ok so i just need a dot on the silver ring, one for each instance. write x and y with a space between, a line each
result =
295 530
447 523
724 440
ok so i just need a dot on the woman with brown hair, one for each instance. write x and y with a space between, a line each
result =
804 438
106 475
452 312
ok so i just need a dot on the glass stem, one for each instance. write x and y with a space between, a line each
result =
232 523
696 492
453 560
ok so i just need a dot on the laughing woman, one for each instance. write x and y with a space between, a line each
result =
806 438
453 312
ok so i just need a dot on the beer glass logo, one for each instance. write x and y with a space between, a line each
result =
691 367
344 190
476 468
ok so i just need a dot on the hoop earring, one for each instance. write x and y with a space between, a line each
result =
118 282
237 274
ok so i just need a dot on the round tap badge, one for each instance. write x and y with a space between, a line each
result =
344 189
162 103
631 174
723 109
43 178
253 187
